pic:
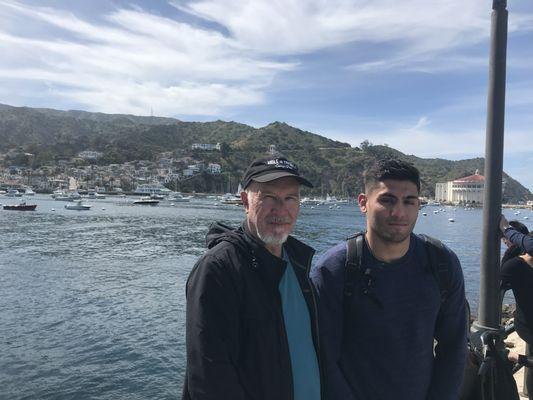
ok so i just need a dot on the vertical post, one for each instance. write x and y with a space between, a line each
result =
489 304
527 377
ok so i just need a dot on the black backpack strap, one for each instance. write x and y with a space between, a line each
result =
353 267
439 264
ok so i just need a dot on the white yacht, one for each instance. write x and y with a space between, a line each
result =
147 201
78 206
13 193
67 196
92 194
177 197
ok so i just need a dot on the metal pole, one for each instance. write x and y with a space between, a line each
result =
489 303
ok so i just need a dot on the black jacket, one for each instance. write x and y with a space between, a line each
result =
237 347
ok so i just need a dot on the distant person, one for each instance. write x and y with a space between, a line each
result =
516 236
513 250
383 305
517 274
252 330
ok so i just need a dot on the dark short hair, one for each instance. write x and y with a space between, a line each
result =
393 169
520 227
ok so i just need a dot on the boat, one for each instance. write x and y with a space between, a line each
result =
20 207
29 192
146 200
232 199
13 193
331 199
78 206
177 197
95 195
155 196
67 196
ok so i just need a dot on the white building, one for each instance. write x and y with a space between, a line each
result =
214 168
469 189
89 155
206 146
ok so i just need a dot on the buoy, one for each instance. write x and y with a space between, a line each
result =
103 209
53 209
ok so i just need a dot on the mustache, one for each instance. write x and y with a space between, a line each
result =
278 220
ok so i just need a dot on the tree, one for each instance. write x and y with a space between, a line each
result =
365 145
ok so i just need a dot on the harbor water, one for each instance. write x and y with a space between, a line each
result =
92 302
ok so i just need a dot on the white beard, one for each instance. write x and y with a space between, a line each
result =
273 239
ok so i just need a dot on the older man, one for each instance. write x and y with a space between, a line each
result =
251 312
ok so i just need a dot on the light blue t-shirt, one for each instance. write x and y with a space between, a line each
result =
305 372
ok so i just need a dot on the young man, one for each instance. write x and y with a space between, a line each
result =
252 330
379 342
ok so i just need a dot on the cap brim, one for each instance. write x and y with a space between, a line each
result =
271 176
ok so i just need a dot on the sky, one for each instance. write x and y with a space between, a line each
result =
412 74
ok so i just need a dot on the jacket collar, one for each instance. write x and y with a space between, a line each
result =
271 267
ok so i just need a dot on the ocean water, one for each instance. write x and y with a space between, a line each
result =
92 303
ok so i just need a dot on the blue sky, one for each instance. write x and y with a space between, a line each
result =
411 74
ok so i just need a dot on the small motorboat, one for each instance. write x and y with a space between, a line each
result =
179 198
13 193
147 201
79 206
20 207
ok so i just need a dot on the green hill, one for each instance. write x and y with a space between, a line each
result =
334 167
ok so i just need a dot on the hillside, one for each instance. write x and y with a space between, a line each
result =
334 167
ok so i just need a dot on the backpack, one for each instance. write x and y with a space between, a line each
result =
439 264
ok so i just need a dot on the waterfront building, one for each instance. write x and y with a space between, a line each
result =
467 190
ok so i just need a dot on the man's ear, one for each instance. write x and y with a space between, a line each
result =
361 200
244 199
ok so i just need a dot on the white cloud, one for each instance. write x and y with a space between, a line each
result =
136 62
293 26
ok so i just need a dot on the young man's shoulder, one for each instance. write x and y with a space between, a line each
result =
423 242
334 257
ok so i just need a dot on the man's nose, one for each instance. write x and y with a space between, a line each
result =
399 210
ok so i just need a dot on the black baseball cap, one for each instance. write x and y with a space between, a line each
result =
267 169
